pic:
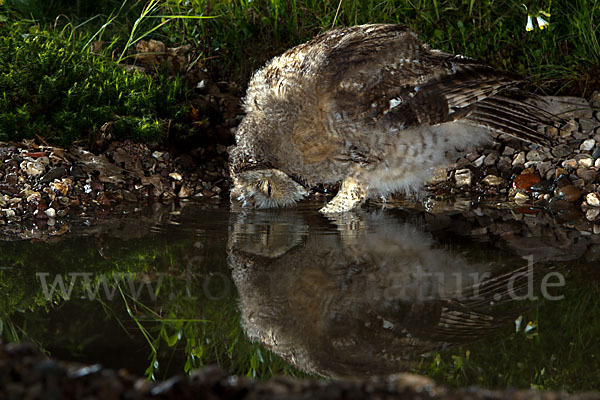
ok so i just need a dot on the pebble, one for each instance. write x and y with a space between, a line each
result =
597 163
587 162
536 155
51 212
525 181
560 151
596 229
53 174
570 193
570 164
176 176
463 177
508 151
492 180
587 145
521 198
593 199
491 159
519 159
32 168
479 161
592 214
587 174
596 153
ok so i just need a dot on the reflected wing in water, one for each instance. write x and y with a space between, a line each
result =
364 298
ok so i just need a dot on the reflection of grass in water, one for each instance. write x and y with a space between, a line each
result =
562 353
215 338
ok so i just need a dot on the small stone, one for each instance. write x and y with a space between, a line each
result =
587 145
592 214
593 199
597 163
596 153
184 192
176 176
508 151
561 151
570 164
521 198
586 162
596 229
570 193
544 167
158 155
51 212
462 177
504 164
32 168
53 174
569 128
491 159
536 155
60 187
519 159
595 99
8 213
587 174
525 181
492 180
479 161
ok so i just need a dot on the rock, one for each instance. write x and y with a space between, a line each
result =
536 155
592 213
524 182
521 198
544 167
596 153
587 145
461 176
570 193
176 176
8 213
491 159
479 161
184 192
519 159
51 212
60 187
585 162
570 164
597 163
596 229
53 174
561 151
593 199
492 180
508 151
32 168
588 125
504 164
595 99
587 174
158 155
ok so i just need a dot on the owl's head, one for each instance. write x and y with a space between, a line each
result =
266 188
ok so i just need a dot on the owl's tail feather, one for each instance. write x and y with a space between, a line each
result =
512 114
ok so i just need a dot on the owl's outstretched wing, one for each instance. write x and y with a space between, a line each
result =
383 74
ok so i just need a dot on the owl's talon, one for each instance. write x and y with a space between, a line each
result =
350 196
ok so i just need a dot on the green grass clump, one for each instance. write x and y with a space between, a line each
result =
53 88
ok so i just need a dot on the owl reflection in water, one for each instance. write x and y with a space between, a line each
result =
367 301
371 108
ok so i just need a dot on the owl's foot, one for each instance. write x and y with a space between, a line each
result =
350 195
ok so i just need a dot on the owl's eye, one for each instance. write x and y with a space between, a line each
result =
266 188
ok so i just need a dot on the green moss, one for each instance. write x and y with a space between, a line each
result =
53 88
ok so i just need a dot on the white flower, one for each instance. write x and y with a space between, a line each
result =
542 23
529 26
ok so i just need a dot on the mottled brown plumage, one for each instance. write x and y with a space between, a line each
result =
371 107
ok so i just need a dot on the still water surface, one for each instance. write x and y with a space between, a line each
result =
485 296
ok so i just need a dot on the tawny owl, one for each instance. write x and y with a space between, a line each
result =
366 301
370 107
